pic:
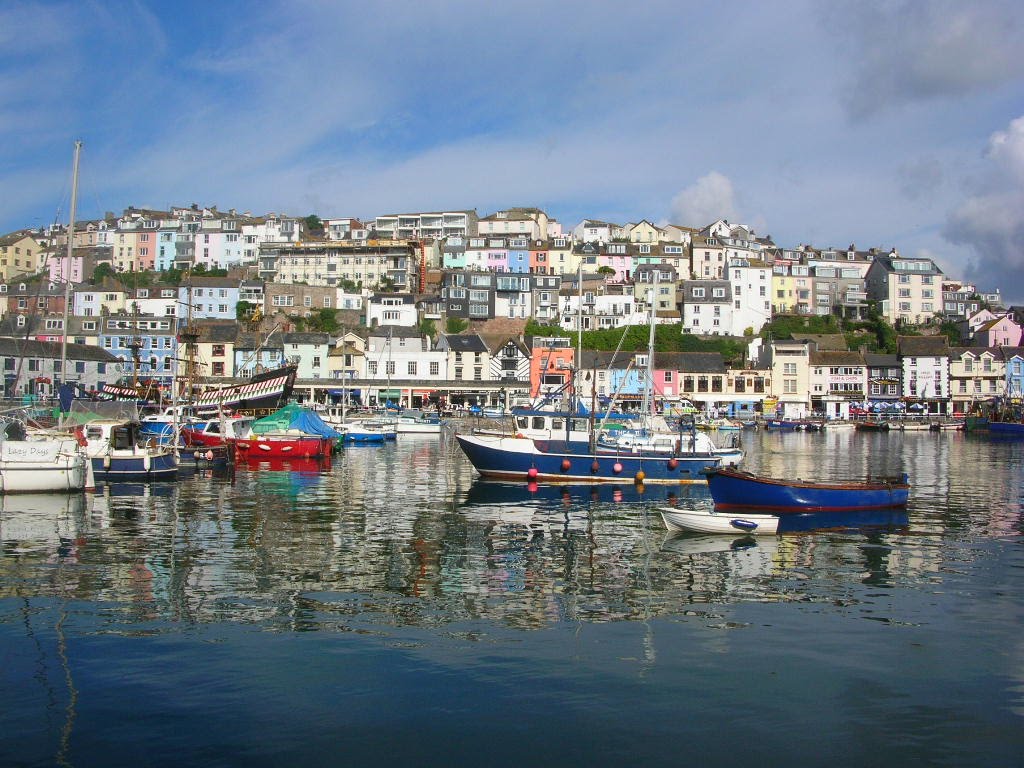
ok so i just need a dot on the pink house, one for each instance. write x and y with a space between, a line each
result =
999 332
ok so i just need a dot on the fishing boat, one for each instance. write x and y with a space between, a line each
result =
521 457
873 425
733 488
417 423
283 445
119 452
208 433
290 431
367 431
705 520
784 425
1009 428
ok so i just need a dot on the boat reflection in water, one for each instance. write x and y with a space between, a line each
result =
41 522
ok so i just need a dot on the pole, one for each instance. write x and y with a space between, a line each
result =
67 272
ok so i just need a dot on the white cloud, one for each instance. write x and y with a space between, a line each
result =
705 201
990 223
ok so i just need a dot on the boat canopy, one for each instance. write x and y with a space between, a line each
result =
294 416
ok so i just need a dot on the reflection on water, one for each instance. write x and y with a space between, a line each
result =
413 521
404 543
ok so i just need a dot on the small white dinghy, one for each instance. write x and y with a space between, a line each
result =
708 521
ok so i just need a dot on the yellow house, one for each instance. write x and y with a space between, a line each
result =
19 255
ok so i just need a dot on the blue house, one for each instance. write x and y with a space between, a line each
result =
1014 357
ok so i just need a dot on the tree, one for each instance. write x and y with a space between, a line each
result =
605 270
102 271
455 325
428 328
313 223
243 311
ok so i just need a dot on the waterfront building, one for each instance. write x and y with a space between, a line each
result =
402 365
552 359
644 232
347 358
790 376
703 379
924 362
907 290
95 300
539 264
159 300
838 380
33 368
1013 360
509 363
746 389
468 357
519 257
976 374
884 375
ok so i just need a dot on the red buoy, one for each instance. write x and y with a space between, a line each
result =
616 467
595 467
566 464
673 463
532 473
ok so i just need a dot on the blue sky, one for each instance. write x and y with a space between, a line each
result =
878 123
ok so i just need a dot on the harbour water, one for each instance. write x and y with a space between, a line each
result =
392 609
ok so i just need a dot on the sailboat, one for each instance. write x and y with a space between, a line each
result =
570 447
38 461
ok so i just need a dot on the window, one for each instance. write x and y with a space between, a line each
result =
789 369
435 368
371 367
411 368
789 386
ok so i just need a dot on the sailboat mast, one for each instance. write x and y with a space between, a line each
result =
67 265
648 407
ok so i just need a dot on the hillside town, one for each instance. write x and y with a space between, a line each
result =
430 309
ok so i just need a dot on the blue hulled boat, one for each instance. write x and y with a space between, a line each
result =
526 458
732 488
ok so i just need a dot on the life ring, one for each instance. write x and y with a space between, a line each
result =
80 437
